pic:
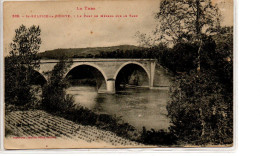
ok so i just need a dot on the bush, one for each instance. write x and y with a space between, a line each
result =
224 59
54 97
85 116
198 110
160 137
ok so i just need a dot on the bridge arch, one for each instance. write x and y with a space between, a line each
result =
95 71
127 63
88 64
139 66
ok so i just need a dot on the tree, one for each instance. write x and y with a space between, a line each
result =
187 21
20 65
199 110
144 40
54 97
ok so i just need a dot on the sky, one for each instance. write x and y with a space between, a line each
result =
90 32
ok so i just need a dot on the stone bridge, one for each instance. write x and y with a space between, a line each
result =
109 68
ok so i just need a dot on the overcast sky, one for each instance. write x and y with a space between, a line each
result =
90 32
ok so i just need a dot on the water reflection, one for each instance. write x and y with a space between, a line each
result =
139 107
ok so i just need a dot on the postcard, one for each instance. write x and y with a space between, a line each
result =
118 74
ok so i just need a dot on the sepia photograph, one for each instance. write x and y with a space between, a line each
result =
118 74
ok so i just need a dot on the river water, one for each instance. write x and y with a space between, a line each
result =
139 107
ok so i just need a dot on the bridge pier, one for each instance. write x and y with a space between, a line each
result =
111 86
152 72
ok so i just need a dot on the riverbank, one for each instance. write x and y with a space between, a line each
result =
38 125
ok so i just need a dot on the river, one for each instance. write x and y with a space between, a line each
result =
139 107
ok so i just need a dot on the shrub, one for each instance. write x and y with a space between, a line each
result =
160 137
198 110
54 97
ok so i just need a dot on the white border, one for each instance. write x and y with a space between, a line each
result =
142 151
1 77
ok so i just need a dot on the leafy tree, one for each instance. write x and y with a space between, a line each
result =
187 21
54 97
20 65
199 111
144 40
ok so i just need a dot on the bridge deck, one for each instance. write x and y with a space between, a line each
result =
97 60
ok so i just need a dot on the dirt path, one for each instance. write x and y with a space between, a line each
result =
38 123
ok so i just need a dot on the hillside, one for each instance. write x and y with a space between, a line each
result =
84 52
